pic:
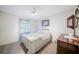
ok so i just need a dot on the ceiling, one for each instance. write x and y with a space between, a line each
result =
25 11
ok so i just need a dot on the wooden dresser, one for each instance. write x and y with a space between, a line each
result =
67 46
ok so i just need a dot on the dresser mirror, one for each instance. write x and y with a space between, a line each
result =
72 22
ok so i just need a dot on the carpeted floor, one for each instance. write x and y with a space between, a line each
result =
50 48
15 48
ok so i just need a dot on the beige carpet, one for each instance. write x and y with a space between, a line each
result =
15 48
50 48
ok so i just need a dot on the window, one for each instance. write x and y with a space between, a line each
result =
24 26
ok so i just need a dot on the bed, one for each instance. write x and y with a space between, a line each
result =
35 41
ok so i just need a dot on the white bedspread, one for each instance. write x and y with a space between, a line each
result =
35 41
31 37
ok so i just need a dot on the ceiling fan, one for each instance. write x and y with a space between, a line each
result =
34 12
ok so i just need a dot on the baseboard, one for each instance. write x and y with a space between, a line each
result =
7 43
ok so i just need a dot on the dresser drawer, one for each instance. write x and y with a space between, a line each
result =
62 44
65 45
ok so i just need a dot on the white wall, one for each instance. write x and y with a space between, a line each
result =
34 25
58 24
8 28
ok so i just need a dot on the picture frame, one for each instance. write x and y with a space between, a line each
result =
72 21
45 22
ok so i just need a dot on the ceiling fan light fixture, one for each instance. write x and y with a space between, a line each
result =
34 12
